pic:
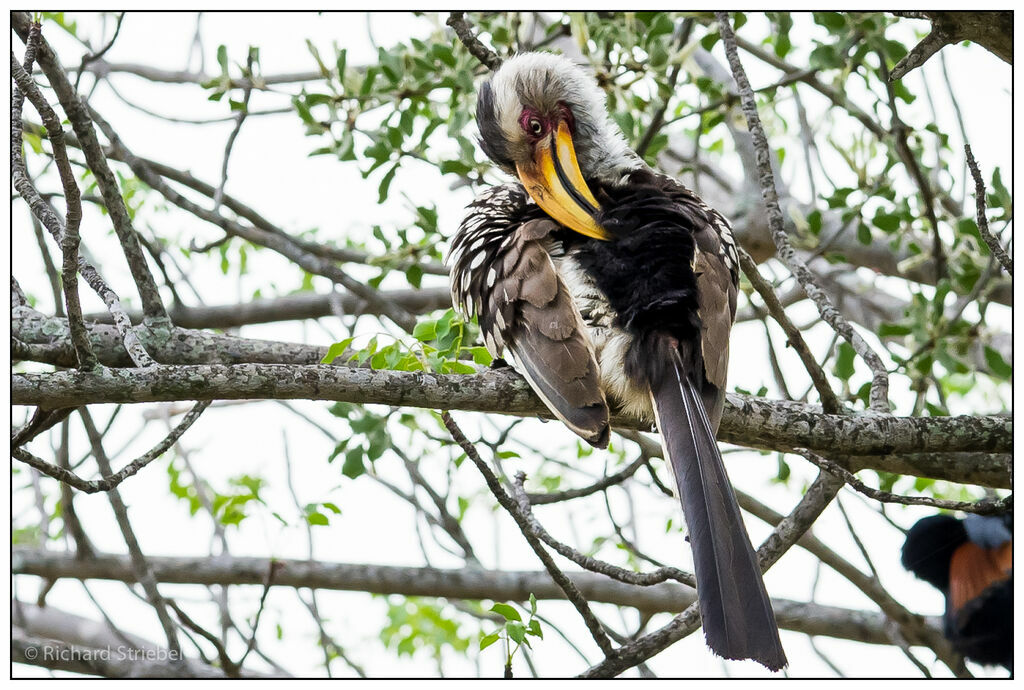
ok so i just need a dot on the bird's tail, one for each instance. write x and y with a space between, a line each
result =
736 612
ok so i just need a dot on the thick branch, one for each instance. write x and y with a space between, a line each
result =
813 619
993 30
748 420
303 305
45 339
62 640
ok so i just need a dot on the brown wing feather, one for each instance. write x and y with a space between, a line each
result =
502 266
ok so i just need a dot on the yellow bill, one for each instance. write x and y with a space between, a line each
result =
555 182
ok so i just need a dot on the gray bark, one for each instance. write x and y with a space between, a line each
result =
747 421
812 619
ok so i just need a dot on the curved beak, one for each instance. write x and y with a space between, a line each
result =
555 182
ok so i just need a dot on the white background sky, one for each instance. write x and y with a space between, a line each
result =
271 171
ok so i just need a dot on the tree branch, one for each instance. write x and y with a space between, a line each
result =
983 507
979 197
46 339
993 30
78 114
72 197
140 567
297 307
460 583
457 20
748 420
880 378
569 589
829 402
111 481
280 243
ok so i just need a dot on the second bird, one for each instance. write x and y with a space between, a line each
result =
611 283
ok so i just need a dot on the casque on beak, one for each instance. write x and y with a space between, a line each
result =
555 182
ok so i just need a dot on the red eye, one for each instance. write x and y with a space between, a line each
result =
532 124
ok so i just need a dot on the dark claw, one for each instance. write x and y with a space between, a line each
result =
499 363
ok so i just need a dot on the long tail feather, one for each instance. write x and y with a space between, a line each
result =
736 612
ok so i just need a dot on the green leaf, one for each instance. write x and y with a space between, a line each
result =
996 364
833 21
508 612
516 631
864 233
336 350
385 183
887 330
481 355
342 58
354 466
414 274
425 330
316 518
844 361
533 605
487 640
459 368
534 629
888 222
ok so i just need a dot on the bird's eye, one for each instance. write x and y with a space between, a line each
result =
536 127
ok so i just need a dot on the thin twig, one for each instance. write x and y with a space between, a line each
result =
589 563
658 121
41 420
77 113
791 528
280 243
92 57
84 548
457 20
267 584
111 481
899 131
600 485
916 625
829 402
856 539
143 573
985 506
70 240
979 198
218 196
231 669
567 586
48 265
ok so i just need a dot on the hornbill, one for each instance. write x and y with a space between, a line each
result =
971 562
611 283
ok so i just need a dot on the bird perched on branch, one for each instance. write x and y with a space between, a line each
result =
971 562
611 283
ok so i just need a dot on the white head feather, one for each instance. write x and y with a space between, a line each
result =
544 79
